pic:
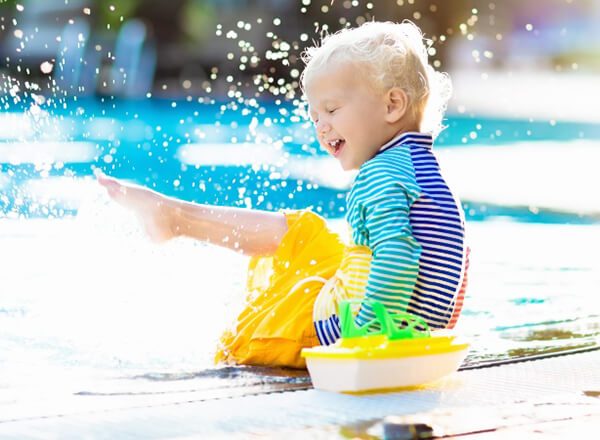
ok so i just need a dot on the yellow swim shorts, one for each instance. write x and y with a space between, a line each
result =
277 321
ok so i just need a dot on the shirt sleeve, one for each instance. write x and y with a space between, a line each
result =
395 251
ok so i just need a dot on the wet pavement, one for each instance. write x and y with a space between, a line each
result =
553 396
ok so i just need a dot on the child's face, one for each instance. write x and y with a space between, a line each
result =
349 115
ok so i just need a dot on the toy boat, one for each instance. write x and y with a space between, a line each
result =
391 351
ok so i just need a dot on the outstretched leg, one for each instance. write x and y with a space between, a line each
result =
248 231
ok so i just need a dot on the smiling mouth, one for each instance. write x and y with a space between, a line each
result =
336 146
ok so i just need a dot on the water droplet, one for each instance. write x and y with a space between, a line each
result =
46 67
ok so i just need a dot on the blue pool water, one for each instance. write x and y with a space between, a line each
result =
84 293
262 156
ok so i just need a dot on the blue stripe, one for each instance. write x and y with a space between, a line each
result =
335 326
429 313
454 273
436 246
437 275
330 334
323 339
433 233
439 291
328 331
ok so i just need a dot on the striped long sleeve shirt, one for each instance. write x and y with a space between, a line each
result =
401 208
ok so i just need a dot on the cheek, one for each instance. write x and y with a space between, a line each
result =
346 119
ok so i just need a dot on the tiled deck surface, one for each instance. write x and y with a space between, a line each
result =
543 398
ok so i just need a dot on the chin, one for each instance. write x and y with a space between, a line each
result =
348 166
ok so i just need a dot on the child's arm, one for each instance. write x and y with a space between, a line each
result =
248 231
395 261
378 214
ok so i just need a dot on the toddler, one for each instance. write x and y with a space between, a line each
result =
376 105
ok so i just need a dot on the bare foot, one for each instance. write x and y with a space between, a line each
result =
151 208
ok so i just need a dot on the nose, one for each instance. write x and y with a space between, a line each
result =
322 127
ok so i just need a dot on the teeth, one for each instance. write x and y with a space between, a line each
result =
336 143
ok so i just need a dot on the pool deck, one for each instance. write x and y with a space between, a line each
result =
549 398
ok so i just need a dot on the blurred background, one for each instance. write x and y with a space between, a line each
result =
203 63
99 75
191 40
199 99
191 46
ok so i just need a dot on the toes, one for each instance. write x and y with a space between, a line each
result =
112 185
103 179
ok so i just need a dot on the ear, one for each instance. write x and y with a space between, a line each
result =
397 104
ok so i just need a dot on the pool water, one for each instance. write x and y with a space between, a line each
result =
267 157
84 293
93 296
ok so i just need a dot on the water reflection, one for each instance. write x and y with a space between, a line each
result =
535 340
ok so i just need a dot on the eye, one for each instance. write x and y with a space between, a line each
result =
333 110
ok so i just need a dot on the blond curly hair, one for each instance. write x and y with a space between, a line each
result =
391 55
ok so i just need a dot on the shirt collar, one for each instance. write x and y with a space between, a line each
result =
409 137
